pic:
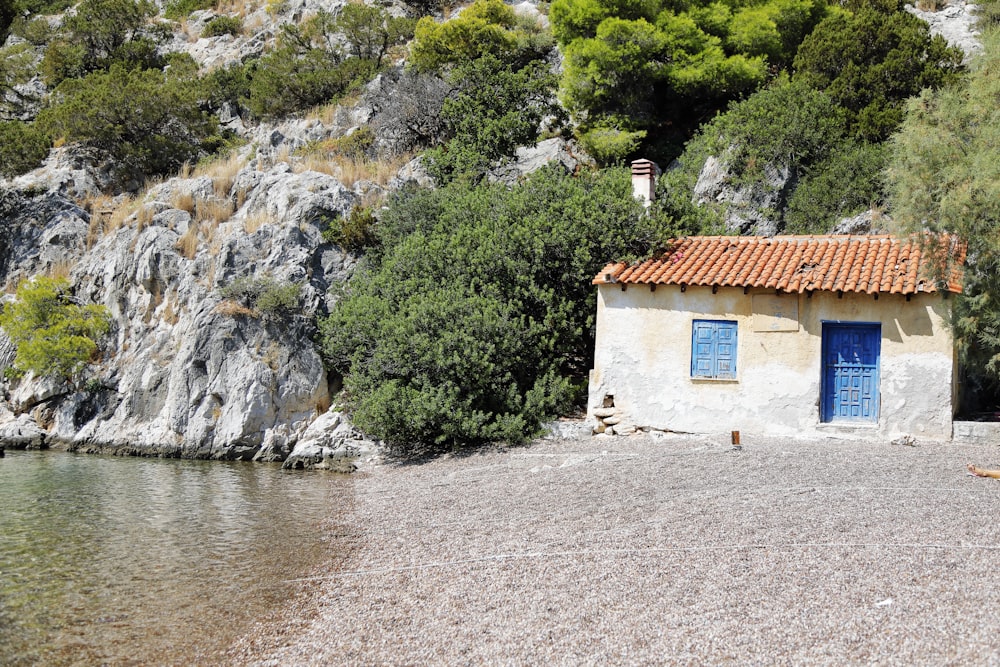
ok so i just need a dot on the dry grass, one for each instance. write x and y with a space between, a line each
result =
143 217
107 215
254 24
231 308
99 204
170 314
187 244
209 281
60 270
95 230
350 171
121 214
380 172
315 162
241 8
255 221
284 154
272 356
183 201
326 113
222 172
213 210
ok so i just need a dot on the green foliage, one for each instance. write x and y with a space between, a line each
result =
849 182
871 62
493 111
486 27
354 232
944 177
309 69
290 80
371 31
610 145
424 7
148 121
631 65
34 30
17 66
474 320
178 9
264 296
8 12
53 335
22 147
354 146
786 126
222 25
99 34
228 86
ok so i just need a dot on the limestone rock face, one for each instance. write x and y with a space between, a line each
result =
529 159
331 443
955 21
866 222
185 373
745 209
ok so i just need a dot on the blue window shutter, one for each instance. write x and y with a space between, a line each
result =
725 350
713 349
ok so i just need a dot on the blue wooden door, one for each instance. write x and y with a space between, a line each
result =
850 372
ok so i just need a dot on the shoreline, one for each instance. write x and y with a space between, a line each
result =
646 549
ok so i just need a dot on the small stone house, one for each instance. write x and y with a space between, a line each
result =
787 335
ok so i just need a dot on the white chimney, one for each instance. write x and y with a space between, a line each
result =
644 173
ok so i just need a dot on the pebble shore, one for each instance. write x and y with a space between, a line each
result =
646 550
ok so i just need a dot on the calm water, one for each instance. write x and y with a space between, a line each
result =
151 561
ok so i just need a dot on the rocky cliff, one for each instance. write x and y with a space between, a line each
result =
190 368
187 372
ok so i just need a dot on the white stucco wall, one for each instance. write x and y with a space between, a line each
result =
643 359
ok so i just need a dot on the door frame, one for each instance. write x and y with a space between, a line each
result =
825 406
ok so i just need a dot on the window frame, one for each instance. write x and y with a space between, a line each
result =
711 362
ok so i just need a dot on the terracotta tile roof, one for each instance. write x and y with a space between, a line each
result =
867 264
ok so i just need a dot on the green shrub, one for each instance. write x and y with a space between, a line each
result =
149 121
178 9
871 62
223 25
265 297
849 182
22 147
474 321
228 85
354 146
371 31
787 126
486 27
610 145
100 34
666 66
288 80
354 232
17 67
53 335
494 110
944 176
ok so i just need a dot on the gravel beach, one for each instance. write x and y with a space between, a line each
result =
664 549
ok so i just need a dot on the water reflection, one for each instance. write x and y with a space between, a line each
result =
135 561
